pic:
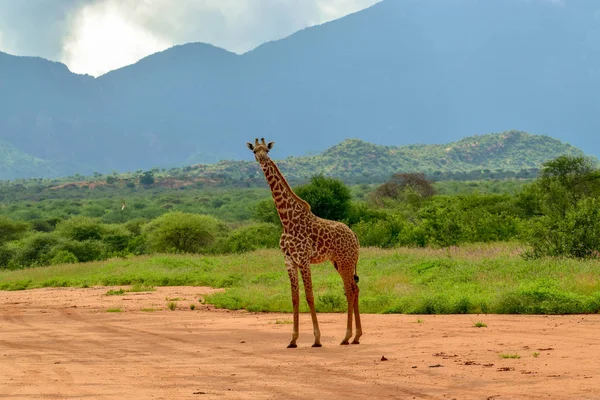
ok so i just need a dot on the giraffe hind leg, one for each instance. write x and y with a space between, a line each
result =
357 319
351 289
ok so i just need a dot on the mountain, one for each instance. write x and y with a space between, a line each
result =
16 164
398 72
356 160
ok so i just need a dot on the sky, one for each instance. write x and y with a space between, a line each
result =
97 36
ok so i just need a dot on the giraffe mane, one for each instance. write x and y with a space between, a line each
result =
288 188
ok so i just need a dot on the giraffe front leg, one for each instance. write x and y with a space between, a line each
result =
293 274
351 294
310 299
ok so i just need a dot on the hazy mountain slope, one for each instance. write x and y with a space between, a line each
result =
353 158
402 71
16 164
47 111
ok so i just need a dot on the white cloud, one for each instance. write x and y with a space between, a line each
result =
4 46
108 34
103 37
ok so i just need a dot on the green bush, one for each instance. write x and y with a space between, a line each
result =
565 205
7 253
575 235
178 232
252 237
265 211
11 230
329 198
116 238
84 251
382 232
63 257
35 250
81 228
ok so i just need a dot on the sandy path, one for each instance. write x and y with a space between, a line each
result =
62 344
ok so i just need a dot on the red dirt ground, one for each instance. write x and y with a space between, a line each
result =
62 344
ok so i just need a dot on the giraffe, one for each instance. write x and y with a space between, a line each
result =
308 239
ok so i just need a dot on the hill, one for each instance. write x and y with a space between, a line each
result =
397 71
356 160
16 164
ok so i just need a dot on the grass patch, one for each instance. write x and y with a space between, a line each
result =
470 279
172 306
480 324
148 309
116 309
113 292
140 288
284 322
504 355
536 354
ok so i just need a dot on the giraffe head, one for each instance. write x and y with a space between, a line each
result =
260 149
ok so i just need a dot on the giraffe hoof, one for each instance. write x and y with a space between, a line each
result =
317 345
292 346
344 343
355 342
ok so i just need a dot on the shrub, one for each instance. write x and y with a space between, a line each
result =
11 230
84 251
178 232
147 178
252 237
63 257
35 250
575 235
81 228
116 238
265 211
329 198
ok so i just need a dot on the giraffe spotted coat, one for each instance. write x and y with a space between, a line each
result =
308 239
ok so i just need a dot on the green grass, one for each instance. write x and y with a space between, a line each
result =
491 278
510 356
115 292
480 324
114 310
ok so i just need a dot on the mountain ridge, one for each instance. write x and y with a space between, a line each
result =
393 72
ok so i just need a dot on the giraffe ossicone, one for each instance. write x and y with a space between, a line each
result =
308 239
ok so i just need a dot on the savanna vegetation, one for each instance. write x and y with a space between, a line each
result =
546 232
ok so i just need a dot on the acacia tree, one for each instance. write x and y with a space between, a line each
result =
404 186
329 198
566 202
178 232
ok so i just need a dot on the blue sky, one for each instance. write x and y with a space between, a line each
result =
96 36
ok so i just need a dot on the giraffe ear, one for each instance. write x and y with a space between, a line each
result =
250 145
270 145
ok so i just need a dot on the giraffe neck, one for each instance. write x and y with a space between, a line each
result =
287 202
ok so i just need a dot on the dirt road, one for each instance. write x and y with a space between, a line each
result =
63 344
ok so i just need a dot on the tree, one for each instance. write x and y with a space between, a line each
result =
265 211
147 178
329 198
178 232
11 230
565 201
407 187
